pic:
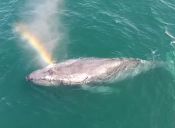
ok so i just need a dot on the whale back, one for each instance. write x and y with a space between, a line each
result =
88 70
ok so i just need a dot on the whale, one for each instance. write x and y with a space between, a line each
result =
83 71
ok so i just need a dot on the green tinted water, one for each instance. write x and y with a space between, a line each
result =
93 28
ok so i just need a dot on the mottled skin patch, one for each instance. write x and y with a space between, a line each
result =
88 70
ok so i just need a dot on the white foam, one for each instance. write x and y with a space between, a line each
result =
169 34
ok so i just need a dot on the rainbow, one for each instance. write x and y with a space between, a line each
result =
34 42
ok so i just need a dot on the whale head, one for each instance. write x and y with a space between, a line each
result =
43 76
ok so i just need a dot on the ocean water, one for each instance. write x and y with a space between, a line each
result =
88 28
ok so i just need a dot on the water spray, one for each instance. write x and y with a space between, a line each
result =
35 42
40 26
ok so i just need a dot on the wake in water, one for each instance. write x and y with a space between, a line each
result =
171 55
99 89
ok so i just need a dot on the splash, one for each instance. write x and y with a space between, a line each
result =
34 42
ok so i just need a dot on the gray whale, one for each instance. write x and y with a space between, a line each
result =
89 71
